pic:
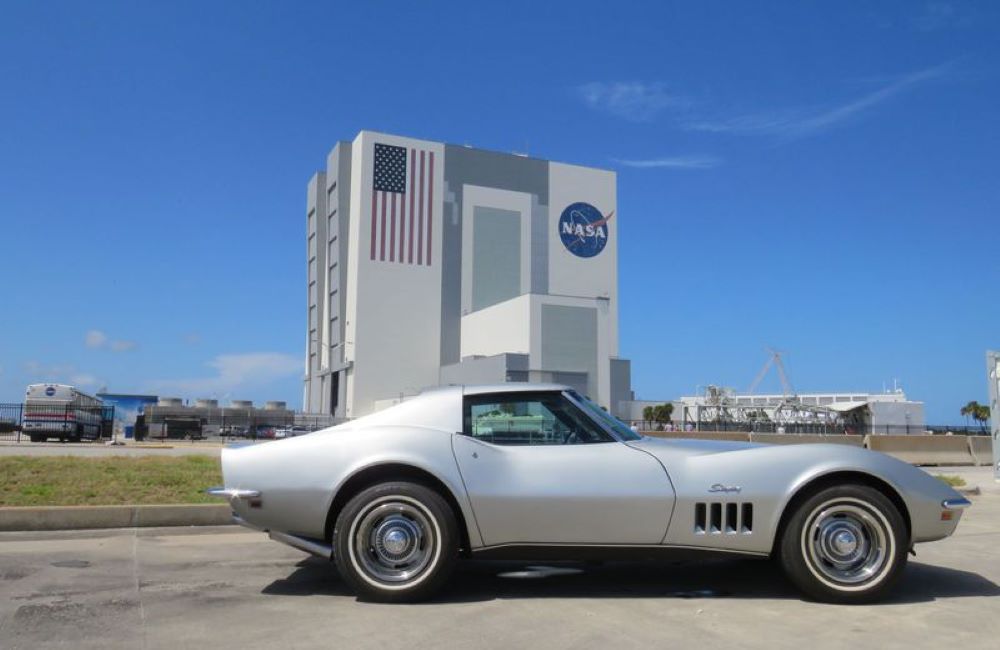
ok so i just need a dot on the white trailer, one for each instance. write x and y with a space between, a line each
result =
61 411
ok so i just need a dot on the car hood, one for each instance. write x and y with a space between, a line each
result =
690 446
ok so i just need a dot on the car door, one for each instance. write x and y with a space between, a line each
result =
538 470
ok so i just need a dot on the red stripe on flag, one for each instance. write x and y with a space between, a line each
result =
402 225
373 224
413 192
381 235
420 217
392 230
430 209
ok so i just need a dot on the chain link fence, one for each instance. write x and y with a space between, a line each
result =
816 428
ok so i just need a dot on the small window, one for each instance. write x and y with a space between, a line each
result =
529 419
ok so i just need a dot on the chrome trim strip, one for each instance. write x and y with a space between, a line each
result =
303 544
622 546
956 504
232 493
243 522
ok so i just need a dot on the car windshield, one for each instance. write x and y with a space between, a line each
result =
620 428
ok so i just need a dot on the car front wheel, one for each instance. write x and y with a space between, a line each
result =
845 544
396 542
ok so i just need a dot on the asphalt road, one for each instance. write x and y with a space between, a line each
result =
232 588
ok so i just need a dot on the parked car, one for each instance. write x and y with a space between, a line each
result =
536 472
290 432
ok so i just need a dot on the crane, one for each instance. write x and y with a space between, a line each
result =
773 360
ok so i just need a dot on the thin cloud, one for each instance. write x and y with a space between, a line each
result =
98 340
801 123
40 372
672 162
632 100
233 372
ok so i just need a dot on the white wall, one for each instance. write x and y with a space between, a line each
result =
393 319
577 276
504 327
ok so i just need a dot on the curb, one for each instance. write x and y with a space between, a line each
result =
84 517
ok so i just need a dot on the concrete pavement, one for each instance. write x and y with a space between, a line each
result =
228 587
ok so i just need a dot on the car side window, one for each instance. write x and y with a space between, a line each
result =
529 419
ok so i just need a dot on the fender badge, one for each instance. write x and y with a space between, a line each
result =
719 487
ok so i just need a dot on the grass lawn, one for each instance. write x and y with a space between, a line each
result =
115 480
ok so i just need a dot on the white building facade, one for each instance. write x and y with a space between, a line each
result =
433 264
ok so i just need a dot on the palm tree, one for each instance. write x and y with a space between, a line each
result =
969 410
982 416
978 412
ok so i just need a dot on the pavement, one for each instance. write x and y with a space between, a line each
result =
227 587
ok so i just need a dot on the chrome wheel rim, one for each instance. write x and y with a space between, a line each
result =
394 541
848 544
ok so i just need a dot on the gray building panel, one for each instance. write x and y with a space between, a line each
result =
569 340
467 166
621 386
496 243
539 247
451 276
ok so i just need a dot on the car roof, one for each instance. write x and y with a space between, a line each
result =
512 387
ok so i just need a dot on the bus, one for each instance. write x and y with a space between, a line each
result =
60 411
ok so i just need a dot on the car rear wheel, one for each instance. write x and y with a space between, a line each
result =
845 544
396 542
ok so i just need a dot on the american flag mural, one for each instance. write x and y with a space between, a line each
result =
402 205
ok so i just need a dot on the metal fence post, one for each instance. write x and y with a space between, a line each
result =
993 378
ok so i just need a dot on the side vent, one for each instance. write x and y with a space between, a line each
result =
716 523
700 520
746 521
730 518
723 518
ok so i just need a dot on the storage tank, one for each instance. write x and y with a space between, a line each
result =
170 401
207 403
241 404
275 406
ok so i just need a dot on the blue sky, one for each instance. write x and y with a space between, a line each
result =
817 177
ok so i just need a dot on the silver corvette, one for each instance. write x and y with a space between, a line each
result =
529 471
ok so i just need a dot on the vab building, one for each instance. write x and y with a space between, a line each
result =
432 264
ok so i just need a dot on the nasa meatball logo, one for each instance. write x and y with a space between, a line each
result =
50 391
583 229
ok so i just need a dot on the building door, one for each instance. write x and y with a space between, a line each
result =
334 392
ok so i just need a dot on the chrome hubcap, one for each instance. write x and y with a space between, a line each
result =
393 541
846 542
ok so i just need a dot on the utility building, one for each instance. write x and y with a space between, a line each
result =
433 264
